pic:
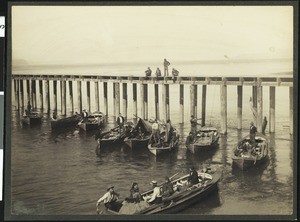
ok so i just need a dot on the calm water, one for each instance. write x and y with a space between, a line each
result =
61 173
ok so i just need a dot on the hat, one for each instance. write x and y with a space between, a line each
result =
109 187
192 168
154 182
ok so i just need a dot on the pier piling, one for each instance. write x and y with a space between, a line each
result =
71 99
79 97
41 90
254 102
117 98
88 92
142 98
17 95
47 98
105 99
181 102
156 101
146 100
97 100
27 92
55 95
63 98
259 108
167 101
203 105
33 86
223 97
239 107
125 103
134 97
194 100
21 86
272 110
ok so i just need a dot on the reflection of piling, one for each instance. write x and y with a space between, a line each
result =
239 106
55 94
63 98
134 98
291 109
79 98
254 102
259 108
47 98
97 100
203 105
105 98
124 91
156 101
223 97
71 95
181 102
41 89
272 110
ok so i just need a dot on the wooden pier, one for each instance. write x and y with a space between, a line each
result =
26 85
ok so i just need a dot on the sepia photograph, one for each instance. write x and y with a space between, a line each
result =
118 110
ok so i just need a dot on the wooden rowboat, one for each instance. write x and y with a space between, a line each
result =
165 148
62 123
205 139
92 122
183 197
245 157
32 119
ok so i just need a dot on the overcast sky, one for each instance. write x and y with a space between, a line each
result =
98 34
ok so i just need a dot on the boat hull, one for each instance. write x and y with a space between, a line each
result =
31 121
137 143
162 150
246 163
89 126
198 147
63 123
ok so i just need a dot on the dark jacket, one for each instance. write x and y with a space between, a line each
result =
193 177
167 189
253 129
119 120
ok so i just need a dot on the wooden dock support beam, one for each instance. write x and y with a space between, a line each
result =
223 97
88 92
79 96
97 100
181 102
146 100
21 86
259 108
291 110
27 92
272 110
71 95
41 91
63 97
167 101
47 99
134 97
55 94
156 101
33 90
105 99
239 107
125 103
193 102
142 99
254 102
116 98
17 94
203 105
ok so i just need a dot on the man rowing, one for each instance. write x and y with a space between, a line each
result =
110 200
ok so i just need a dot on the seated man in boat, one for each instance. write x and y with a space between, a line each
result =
193 177
167 189
156 197
135 195
110 199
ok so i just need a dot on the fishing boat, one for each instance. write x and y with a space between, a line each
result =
246 155
140 134
31 119
205 139
71 121
92 122
110 138
161 148
183 197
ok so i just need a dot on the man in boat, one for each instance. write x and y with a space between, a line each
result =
264 125
253 131
158 73
169 131
54 115
194 124
140 132
110 199
193 176
156 197
28 108
167 188
85 114
166 65
120 122
189 139
155 132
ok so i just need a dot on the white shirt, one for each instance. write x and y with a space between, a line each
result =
155 126
156 193
106 198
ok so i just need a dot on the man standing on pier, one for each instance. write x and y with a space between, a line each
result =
166 65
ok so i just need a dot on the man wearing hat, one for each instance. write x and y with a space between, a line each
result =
156 197
110 199
193 176
253 131
167 187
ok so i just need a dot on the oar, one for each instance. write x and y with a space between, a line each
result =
173 175
103 134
